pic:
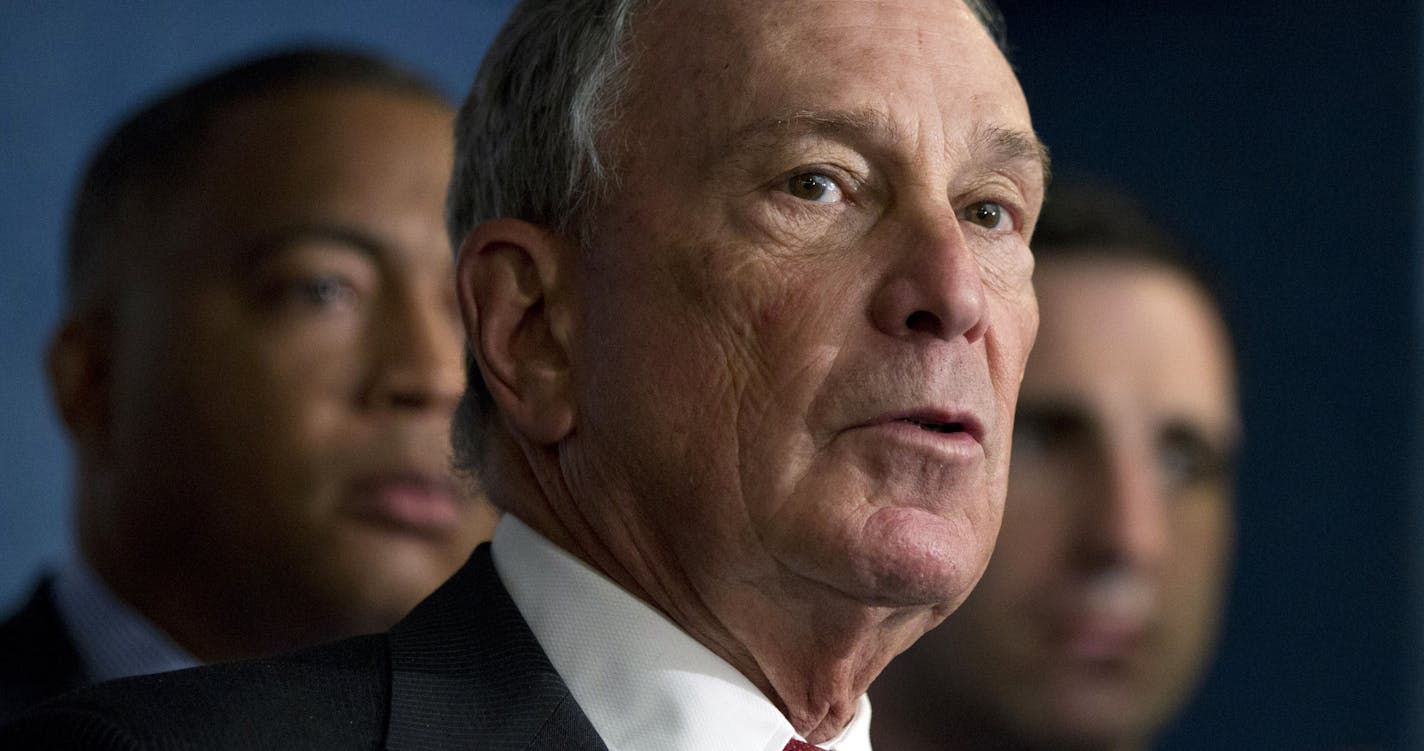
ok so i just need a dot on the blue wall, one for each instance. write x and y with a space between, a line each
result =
1282 137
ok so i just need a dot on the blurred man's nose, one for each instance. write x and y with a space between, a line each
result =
1127 518
417 363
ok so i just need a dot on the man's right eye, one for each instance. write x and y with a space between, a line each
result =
814 187
324 291
1041 433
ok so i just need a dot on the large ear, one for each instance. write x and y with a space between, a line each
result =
507 278
78 366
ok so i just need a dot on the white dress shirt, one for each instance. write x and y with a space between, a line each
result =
113 640
644 684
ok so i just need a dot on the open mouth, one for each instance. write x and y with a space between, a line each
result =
936 427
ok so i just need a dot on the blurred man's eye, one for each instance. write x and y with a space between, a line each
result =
324 291
312 293
814 187
1041 432
1188 460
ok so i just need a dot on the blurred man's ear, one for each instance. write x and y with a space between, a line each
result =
78 366
516 323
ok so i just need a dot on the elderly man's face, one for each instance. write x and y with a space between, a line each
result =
807 308
1100 604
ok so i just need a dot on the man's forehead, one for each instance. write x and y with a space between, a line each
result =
755 75
725 31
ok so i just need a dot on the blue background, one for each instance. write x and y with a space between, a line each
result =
1283 138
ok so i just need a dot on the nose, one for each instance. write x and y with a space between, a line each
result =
1129 522
417 359
935 289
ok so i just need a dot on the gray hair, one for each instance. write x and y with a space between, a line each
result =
528 137
527 143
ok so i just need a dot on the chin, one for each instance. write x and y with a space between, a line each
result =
917 558
385 582
1098 732
381 605
1100 719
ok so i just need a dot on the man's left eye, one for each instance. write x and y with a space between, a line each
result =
989 215
815 187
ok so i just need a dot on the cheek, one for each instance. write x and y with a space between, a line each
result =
1007 344
1194 587
771 326
1030 538
801 333
282 401
1202 545
1011 335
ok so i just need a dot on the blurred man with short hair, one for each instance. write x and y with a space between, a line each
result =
257 367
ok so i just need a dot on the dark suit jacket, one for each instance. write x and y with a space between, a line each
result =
37 658
463 671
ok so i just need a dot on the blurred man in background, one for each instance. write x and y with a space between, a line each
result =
257 367
1100 605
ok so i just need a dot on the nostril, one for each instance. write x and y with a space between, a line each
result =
409 401
403 399
923 321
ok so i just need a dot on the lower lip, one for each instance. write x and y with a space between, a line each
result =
417 507
1100 641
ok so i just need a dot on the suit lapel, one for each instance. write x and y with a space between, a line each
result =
40 659
467 673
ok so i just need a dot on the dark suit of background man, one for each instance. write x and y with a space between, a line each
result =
746 289
258 364
1100 606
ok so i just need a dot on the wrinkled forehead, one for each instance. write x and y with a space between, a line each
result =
702 70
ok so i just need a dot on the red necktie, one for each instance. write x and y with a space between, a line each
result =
795 745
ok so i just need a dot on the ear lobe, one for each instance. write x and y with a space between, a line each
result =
77 364
507 279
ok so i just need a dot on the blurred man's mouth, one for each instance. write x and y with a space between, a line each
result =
1101 640
415 503
1109 620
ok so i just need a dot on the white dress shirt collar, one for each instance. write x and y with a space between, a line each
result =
112 638
644 683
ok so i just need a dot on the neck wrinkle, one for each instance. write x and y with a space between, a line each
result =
815 667
809 649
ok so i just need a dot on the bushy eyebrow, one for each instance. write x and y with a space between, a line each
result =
355 239
1017 146
1001 144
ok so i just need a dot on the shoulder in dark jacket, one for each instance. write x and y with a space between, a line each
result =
462 671
37 658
